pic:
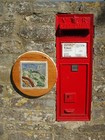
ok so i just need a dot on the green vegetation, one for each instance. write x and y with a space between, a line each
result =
37 78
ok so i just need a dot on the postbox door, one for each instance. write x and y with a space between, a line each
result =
73 89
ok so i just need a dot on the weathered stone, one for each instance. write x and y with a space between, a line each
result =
47 47
1 114
10 7
100 32
93 128
6 29
87 136
61 133
35 32
1 129
11 115
20 136
99 88
98 92
10 126
1 102
29 115
23 7
5 74
1 88
66 7
99 98
6 62
99 76
98 113
10 11
1 8
41 136
95 136
100 62
42 116
41 18
101 136
70 136
34 103
11 46
33 126
44 6
99 49
100 19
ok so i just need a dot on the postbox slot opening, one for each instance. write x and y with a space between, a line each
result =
75 32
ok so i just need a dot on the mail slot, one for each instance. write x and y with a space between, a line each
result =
74 53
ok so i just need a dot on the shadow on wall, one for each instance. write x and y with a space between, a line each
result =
101 17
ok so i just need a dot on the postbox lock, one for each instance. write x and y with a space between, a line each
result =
75 68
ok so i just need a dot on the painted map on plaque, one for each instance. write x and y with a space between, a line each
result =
34 74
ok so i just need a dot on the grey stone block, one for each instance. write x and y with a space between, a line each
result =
1 129
6 29
19 136
38 33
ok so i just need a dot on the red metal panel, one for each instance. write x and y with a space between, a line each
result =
73 86
74 83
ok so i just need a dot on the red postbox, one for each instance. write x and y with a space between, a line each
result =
74 52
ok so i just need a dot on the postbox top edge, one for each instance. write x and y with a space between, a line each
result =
70 15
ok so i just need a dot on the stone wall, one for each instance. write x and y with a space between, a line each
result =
27 25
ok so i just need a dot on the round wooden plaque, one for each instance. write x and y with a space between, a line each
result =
34 73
